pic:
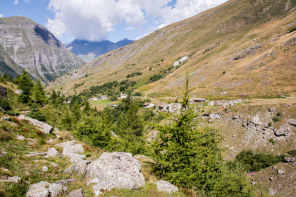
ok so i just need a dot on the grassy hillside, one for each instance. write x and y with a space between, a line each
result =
241 47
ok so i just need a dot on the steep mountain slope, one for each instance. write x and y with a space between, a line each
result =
241 47
88 51
34 48
7 65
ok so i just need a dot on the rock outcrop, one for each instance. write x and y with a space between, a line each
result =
42 126
45 189
115 170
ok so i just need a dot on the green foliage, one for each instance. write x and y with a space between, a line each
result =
113 98
272 141
4 104
255 162
148 115
155 78
92 131
278 114
39 93
292 29
292 152
26 85
270 124
134 74
138 94
36 114
276 119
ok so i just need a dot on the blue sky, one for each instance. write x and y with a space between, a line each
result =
96 20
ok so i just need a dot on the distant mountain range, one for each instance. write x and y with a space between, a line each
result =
26 44
88 51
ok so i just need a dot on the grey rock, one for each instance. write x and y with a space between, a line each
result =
271 178
283 131
115 170
63 144
164 186
76 148
76 193
52 152
56 189
290 159
214 116
78 168
20 137
5 118
14 179
34 154
292 122
75 158
271 110
281 171
271 191
66 181
44 168
42 126
38 190
173 107
153 136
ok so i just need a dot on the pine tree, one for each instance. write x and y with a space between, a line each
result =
39 94
53 97
26 85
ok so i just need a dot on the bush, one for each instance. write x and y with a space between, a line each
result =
138 94
292 152
278 114
276 119
270 124
36 114
113 98
4 136
148 115
256 161
155 78
4 104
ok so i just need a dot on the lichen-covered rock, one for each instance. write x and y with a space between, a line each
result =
78 168
76 148
115 170
52 152
38 190
56 189
164 186
42 126
75 158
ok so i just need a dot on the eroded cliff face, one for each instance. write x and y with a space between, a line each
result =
34 48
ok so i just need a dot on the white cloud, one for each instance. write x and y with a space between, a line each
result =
93 19
27 1
1 15
16 2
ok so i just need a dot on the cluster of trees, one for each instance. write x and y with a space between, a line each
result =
110 88
133 74
163 74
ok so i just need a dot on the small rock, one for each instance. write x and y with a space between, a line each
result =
14 179
76 148
5 118
76 193
290 159
44 168
281 171
214 116
235 117
271 178
271 110
56 189
53 153
66 181
253 183
78 168
271 191
4 170
20 137
63 144
283 131
54 165
33 154
164 186
292 122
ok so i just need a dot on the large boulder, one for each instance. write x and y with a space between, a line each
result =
67 143
164 186
115 170
56 189
42 126
76 193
